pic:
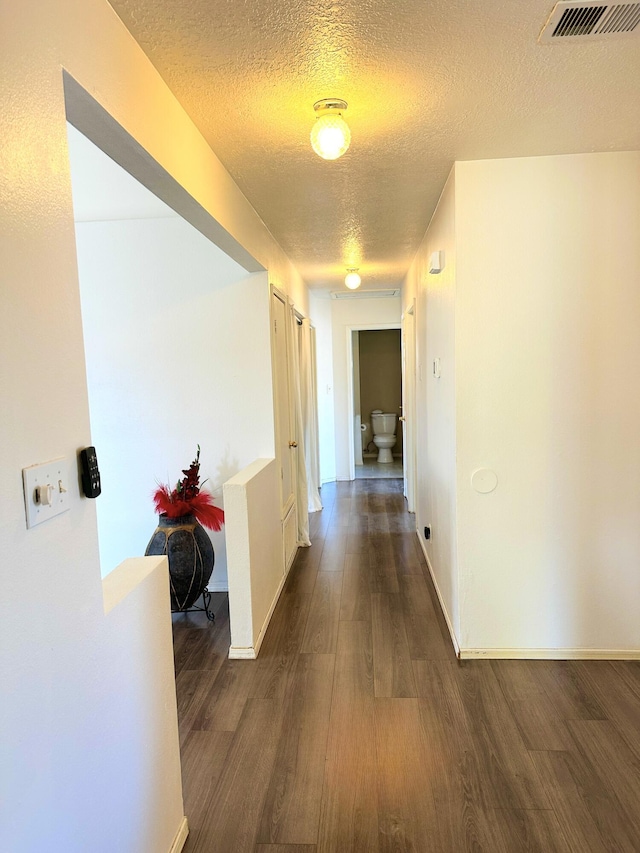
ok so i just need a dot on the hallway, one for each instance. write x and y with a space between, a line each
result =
357 729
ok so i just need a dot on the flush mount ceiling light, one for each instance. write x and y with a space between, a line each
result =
330 135
352 279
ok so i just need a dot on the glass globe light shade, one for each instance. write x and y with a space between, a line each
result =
352 280
330 136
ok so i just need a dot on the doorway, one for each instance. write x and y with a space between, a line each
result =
376 398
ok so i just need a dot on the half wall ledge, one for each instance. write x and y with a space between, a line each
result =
255 555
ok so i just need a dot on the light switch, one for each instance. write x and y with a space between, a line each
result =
44 495
45 490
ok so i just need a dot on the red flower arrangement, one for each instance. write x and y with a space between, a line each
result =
187 499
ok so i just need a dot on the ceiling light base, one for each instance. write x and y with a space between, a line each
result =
330 135
334 104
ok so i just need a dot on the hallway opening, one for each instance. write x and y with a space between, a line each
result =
153 294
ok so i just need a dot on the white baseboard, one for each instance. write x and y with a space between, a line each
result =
524 654
181 837
242 653
251 652
550 654
218 586
445 612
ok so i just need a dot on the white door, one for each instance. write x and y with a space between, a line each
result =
285 440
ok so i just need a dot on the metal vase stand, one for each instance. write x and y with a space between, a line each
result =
206 600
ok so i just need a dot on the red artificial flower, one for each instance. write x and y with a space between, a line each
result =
187 499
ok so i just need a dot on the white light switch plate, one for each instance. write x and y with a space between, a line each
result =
55 473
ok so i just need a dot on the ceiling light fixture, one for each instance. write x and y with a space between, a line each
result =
352 279
330 135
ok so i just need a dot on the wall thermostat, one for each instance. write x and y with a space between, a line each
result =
90 472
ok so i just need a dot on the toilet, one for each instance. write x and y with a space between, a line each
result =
384 426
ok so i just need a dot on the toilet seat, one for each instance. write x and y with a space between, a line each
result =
384 437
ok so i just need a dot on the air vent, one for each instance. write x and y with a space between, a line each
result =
591 20
364 294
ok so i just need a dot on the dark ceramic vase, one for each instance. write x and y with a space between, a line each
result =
190 554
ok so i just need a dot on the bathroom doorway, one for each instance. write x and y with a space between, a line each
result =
376 395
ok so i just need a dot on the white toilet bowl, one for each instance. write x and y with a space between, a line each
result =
384 442
384 434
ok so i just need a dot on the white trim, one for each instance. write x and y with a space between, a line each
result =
218 586
181 836
282 297
524 654
251 652
550 654
290 518
409 394
445 613
242 653
358 327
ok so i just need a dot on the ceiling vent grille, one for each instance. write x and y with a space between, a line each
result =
364 294
591 20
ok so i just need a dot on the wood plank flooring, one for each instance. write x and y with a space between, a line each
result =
358 730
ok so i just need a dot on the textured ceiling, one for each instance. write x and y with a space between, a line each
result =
427 82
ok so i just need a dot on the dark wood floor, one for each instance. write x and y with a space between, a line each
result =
357 729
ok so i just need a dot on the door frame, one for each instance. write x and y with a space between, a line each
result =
285 506
409 403
358 327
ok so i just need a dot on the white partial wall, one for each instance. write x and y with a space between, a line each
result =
141 674
74 731
255 554
166 317
360 313
548 359
435 427
536 326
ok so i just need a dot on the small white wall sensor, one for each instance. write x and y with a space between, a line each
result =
484 480
436 262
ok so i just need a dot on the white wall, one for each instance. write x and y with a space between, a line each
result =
363 313
59 669
136 603
548 358
435 400
320 307
256 556
166 318
536 324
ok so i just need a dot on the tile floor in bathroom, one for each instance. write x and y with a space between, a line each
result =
372 469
